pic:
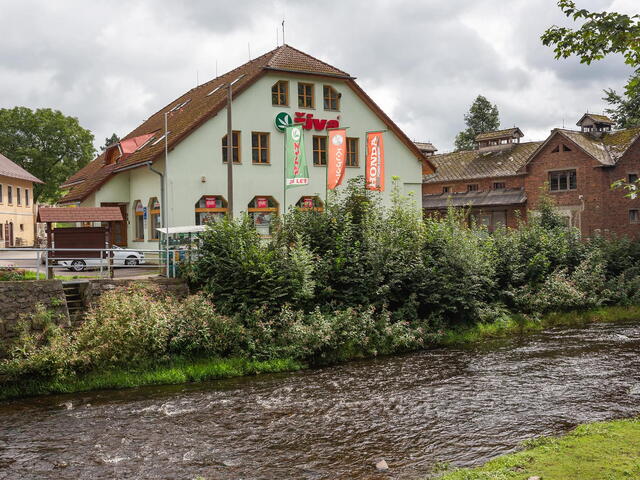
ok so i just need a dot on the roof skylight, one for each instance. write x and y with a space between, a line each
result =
180 105
161 138
215 90
146 143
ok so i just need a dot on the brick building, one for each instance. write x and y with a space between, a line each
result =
502 178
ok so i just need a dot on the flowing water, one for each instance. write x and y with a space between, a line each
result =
462 406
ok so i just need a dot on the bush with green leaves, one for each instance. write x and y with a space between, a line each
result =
440 271
353 280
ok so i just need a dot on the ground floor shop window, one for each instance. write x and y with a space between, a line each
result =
138 215
263 211
154 218
310 203
210 208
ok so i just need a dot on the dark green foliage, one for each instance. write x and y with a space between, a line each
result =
435 272
355 280
47 144
243 272
113 139
624 110
482 117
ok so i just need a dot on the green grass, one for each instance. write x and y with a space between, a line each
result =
24 275
180 371
595 451
521 324
177 371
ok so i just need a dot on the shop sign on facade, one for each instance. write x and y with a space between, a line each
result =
262 202
284 120
211 202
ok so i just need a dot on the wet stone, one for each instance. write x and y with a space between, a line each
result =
382 466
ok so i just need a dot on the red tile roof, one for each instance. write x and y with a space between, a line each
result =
79 214
13 170
204 102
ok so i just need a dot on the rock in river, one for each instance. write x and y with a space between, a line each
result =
382 466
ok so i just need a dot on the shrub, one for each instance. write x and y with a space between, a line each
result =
198 329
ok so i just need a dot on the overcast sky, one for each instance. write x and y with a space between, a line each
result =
112 64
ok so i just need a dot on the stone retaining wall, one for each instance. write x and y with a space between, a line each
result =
95 288
18 299
21 298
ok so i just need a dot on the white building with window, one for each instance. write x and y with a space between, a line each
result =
282 86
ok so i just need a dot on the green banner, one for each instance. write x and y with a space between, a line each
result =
296 171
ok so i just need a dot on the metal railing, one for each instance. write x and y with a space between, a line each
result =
92 262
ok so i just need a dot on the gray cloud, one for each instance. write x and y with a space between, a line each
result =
112 64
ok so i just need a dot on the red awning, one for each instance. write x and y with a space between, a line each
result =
79 214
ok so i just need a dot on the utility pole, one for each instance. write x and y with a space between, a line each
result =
229 154
230 148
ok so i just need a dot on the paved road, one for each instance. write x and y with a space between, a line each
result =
28 261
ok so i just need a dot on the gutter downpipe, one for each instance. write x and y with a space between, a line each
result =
163 213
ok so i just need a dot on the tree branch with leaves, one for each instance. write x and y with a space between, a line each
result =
47 144
601 34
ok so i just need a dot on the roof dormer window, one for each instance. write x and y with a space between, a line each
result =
499 139
590 122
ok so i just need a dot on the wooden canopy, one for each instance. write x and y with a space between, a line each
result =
79 214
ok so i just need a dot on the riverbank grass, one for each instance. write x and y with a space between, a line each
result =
522 324
176 372
596 451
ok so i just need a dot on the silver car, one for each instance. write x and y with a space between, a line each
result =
121 258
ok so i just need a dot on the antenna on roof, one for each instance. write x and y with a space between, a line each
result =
216 68
277 37
283 41
249 48
197 79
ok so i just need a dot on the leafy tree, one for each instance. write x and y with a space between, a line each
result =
110 141
482 117
47 144
601 34
625 110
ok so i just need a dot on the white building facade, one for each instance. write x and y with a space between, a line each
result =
284 84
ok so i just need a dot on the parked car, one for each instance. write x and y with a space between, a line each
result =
121 258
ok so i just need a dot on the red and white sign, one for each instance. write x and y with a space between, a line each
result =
307 202
336 160
374 173
211 202
262 202
308 122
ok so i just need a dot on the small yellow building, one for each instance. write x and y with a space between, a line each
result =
17 211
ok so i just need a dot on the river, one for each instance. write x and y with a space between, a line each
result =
462 406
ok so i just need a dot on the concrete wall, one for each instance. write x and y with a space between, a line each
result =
22 216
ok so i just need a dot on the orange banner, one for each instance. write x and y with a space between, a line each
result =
337 159
374 174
